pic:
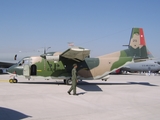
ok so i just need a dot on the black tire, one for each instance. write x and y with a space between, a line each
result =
11 81
69 82
15 80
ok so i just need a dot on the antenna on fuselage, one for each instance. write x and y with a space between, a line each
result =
70 44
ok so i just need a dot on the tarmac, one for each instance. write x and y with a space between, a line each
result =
122 97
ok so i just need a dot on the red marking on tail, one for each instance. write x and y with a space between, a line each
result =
142 39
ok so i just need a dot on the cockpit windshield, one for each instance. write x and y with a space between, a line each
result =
24 61
157 62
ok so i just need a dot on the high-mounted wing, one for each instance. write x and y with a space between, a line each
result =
77 54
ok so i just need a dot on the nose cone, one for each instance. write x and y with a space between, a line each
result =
11 69
16 69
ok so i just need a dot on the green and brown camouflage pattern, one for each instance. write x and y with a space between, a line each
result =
88 68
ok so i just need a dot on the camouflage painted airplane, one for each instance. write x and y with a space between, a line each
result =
56 65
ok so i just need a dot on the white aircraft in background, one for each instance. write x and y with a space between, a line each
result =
149 66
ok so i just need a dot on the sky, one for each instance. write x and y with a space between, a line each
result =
102 26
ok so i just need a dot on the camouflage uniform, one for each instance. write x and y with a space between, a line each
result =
74 82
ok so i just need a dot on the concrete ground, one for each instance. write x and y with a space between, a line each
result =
122 97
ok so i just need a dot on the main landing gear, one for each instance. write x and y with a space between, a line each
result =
68 81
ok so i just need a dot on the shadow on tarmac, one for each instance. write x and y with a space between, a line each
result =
128 83
9 114
94 86
90 86
45 83
90 83
83 85
142 83
81 93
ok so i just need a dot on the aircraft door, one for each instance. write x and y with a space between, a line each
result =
33 70
26 66
26 70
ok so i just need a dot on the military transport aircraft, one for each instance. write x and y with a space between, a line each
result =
148 66
55 65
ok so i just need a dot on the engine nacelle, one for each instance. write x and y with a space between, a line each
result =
54 58
51 56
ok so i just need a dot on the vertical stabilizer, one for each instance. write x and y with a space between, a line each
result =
137 45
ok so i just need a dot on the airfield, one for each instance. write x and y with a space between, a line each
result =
122 97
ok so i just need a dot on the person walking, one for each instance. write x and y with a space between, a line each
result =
74 80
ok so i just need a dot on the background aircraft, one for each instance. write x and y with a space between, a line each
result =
6 61
59 65
151 65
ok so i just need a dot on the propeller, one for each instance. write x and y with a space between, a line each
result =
44 56
45 52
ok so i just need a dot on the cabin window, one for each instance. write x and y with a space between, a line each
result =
157 62
21 62
24 61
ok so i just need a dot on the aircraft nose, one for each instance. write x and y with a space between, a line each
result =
15 69
11 69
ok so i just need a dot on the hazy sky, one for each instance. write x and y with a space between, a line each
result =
102 26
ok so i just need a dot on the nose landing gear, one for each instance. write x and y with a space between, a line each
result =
13 81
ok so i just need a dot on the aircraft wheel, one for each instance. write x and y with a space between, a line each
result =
11 81
69 82
15 80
